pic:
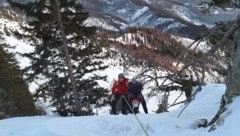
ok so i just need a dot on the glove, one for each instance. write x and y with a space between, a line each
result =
112 97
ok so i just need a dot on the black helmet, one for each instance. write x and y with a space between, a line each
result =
121 75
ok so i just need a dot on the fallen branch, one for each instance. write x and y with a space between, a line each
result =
189 100
173 104
221 110
177 103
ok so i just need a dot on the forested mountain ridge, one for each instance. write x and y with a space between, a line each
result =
184 17
147 48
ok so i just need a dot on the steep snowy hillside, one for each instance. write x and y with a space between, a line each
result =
136 51
122 13
184 17
179 16
166 124
191 11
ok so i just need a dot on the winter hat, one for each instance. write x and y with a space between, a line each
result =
121 75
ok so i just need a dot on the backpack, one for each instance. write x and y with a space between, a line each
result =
135 87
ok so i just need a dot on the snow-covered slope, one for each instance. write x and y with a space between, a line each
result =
129 14
205 105
192 11
180 16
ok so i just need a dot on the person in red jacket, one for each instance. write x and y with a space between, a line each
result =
120 90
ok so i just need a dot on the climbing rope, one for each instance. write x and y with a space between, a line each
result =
139 122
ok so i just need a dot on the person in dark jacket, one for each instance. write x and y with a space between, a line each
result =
135 91
187 82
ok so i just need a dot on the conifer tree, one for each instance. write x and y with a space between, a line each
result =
15 98
66 55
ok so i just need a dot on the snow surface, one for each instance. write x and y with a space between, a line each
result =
204 105
105 23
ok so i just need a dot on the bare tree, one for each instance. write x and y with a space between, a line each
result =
232 82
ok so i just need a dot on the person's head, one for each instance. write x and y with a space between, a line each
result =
121 77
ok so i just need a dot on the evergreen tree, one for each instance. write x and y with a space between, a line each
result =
15 98
220 2
66 55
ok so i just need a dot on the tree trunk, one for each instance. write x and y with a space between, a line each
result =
232 82
67 58
233 79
